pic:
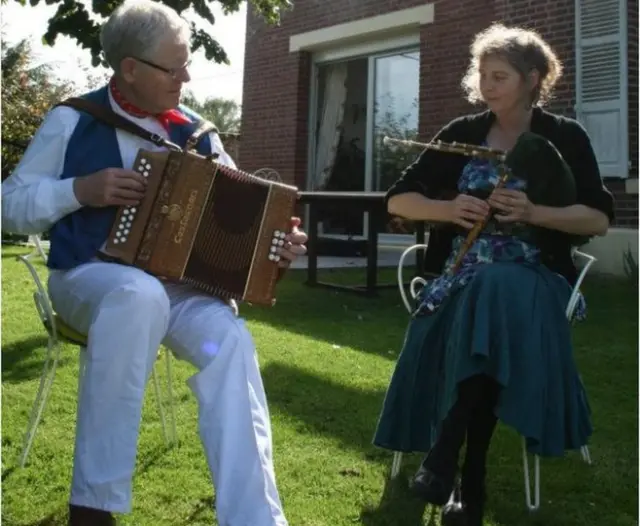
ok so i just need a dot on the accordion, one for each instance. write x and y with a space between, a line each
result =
206 224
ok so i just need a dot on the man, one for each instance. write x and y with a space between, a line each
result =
71 180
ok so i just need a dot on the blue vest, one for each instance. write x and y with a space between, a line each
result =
93 146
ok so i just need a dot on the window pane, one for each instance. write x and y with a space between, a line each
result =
396 95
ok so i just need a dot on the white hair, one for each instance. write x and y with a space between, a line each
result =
137 27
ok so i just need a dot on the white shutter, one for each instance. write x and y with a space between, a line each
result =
601 81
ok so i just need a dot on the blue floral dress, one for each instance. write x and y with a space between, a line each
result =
502 315
496 243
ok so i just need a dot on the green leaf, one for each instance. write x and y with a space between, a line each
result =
72 19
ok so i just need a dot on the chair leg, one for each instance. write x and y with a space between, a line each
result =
156 387
172 408
527 480
586 455
46 380
81 362
40 249
395 465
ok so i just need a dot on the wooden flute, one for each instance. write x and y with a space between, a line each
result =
469 150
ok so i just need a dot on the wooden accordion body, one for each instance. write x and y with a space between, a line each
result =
206 224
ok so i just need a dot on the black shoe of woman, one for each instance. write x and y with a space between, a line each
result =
466 504
454 512
431 487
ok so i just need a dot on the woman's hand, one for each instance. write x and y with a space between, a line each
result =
466 210
513 206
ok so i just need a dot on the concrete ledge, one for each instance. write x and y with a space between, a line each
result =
631 186
363 29
610 249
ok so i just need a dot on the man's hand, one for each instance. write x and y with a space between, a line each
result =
110 187
294 244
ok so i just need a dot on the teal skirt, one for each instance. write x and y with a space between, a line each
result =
508 323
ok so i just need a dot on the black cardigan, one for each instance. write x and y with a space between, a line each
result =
435 175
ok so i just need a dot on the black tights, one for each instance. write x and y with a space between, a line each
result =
471 417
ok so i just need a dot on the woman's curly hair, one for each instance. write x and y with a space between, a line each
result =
524 50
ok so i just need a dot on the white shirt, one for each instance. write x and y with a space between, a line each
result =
34 197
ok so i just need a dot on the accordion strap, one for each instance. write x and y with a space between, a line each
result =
108 116
203 128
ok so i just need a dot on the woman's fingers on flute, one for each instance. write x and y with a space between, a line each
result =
464 224
467 210
501 203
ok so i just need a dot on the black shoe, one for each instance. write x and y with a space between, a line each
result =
466 503
81 516
454 513
464 512
432 488
473 494
474 507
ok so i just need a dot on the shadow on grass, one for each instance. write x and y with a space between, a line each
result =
398 506
57 518
340 318
203 505
20 362
326 407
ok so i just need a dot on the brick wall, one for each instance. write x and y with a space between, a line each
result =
276 82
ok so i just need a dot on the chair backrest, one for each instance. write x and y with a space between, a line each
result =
414 281
39 245
269 174
575 293
41 299
573 299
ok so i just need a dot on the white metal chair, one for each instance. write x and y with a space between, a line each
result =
269 174
37 242
59 332
571 306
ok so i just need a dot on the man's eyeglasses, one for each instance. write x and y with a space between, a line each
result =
172 72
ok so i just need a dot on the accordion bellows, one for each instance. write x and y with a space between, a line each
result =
206 224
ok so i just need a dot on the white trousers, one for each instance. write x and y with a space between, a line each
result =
127 314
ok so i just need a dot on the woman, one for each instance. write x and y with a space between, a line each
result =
493 341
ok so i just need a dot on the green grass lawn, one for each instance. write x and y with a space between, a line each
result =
326 359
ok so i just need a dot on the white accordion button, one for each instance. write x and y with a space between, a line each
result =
273 249
143 167
274 241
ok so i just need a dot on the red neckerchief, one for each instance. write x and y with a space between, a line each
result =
165 118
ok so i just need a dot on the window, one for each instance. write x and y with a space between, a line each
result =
601 81
355 103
